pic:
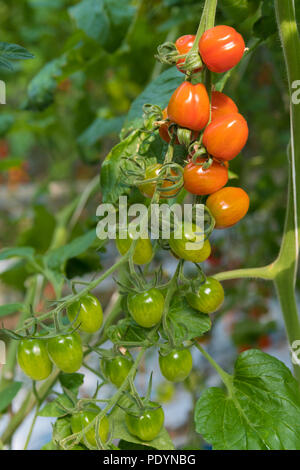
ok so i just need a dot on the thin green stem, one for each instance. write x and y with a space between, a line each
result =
226 378
31 427
265 272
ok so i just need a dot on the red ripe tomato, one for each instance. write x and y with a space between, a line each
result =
221 105
221 48
184 45
228 206
264 342
200 181
226 136
189 106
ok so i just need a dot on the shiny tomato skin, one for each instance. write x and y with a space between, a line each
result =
147 307
200 181
209 298
147 189
226 136
228 206
187 234
82 419
66 352
221 105
189 106
117 369
33 358
148 425
221 48
177 365
89 313
184 45
143 251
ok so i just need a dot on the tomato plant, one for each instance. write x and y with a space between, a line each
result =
117 368
188 243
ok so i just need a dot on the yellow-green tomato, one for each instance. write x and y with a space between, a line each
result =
187 242
177 365
66 352
117 369
88 313
33 358
80 420
209 297
143 251
146 307
148 424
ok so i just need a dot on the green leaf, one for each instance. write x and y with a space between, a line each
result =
39 235
56 258
260 412
26 252
187 323
49 446
110 177
117 423
55 409
9 52
157 92
8 309
42 86
100 128
6 122
71 381
238 10
8 394
127 330
61 429
106 21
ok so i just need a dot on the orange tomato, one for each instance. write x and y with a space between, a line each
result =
228 206
189 106
147 189
226 136
184 45
221 105
163 129
200 181
221 48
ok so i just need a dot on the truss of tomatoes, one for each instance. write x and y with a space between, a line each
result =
215 123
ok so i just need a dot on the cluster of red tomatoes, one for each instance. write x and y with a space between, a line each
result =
217 128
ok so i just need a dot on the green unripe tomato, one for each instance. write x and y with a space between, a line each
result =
66 352
177 365
89 313
209 297
80 420
33 358
143 251
117 369
148 425
146 307
188 239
